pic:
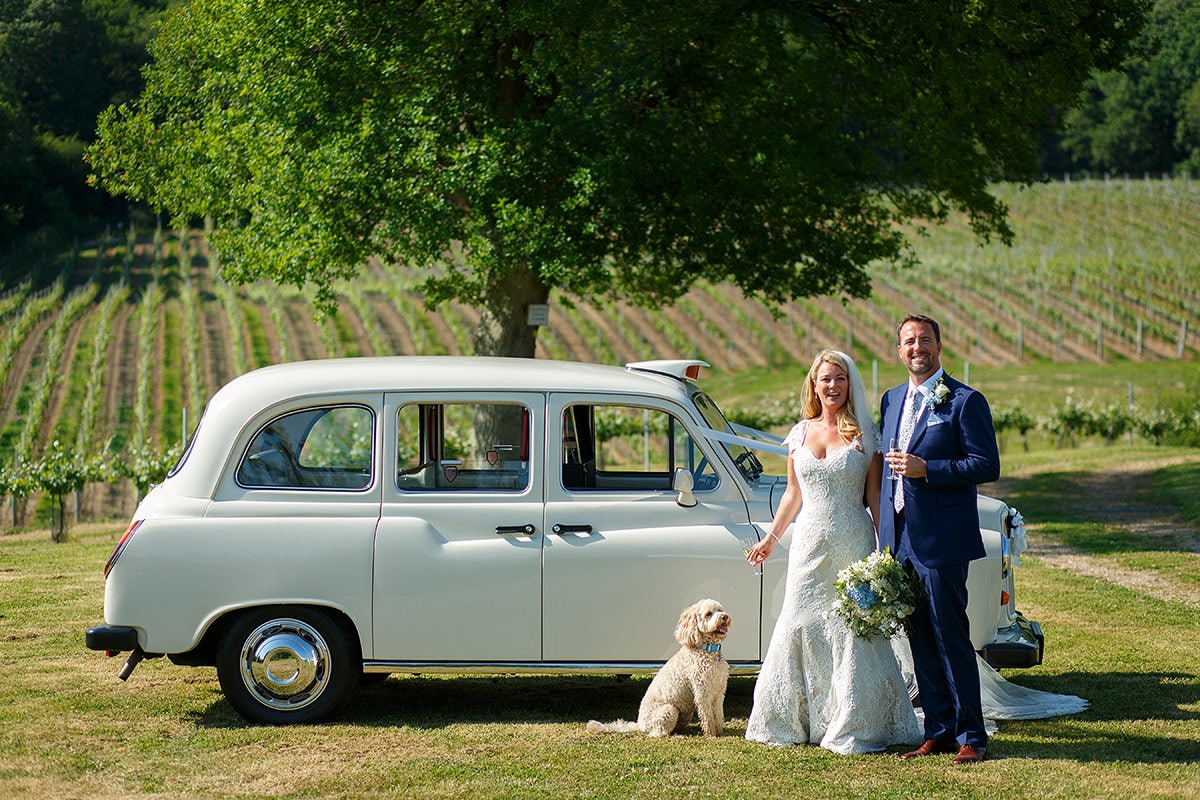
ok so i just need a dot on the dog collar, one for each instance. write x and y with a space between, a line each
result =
711 647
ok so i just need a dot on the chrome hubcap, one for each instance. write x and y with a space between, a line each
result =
285 663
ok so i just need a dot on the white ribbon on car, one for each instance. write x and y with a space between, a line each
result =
747 442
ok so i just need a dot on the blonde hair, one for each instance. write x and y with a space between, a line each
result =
848 427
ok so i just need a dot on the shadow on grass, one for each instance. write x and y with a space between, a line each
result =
436 702
432 702
1060 742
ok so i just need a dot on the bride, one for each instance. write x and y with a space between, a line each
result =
819 682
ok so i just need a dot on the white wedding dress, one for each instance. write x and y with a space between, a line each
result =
820 683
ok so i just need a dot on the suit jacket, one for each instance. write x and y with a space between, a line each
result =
958 443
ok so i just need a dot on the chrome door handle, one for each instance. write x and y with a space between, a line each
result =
515 530
561 529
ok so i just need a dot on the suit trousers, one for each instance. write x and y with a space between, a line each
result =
943 656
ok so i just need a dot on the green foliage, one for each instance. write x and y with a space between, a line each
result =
61 62
60 472
767 416
620 148
16 480
1110 422
17 174
1167 425
1159 424
619 422
146 465
1014 418
1146 116
1072 421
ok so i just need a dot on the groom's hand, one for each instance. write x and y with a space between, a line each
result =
906 464
914 466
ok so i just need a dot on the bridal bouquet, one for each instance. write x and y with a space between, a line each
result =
876 596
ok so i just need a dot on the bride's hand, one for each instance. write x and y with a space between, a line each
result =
761 551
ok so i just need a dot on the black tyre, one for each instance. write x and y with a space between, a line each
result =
284 666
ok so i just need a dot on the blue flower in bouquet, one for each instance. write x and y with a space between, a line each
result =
862 596
876 596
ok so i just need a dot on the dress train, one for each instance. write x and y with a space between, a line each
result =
1002 700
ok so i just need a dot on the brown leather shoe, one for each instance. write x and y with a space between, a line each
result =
969 755
930 747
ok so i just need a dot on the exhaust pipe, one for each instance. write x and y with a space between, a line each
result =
131 663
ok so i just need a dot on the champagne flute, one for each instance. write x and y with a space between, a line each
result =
893 447
748 543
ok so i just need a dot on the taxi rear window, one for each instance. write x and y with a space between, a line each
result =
317 448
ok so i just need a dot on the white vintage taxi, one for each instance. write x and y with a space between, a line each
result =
334 519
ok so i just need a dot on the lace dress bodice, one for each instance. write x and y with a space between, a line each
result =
833 517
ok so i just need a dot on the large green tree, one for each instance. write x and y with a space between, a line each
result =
606 148
61 63
1145 117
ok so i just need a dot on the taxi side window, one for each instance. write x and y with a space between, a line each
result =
318 448
455 447
624 448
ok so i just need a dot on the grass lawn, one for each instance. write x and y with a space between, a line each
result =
70 729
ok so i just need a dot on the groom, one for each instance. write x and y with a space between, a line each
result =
930 520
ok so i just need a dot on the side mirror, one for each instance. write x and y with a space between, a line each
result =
684 483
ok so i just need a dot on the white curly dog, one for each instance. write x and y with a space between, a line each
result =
691 683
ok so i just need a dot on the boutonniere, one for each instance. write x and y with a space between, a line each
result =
939 394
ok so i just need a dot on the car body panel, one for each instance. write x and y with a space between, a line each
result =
619 553
178 578
448 586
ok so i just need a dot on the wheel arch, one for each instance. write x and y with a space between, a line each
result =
204 654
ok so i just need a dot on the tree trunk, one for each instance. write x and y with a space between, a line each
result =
58 522
504 329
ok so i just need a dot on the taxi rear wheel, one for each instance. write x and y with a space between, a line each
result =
285 665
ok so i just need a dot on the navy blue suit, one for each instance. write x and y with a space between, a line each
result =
937 536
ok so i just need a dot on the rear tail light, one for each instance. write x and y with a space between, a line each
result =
116 553
1004 598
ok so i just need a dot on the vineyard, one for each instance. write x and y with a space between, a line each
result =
121 342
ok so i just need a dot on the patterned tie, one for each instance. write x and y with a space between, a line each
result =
909 421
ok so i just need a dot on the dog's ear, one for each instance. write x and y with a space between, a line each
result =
687 630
